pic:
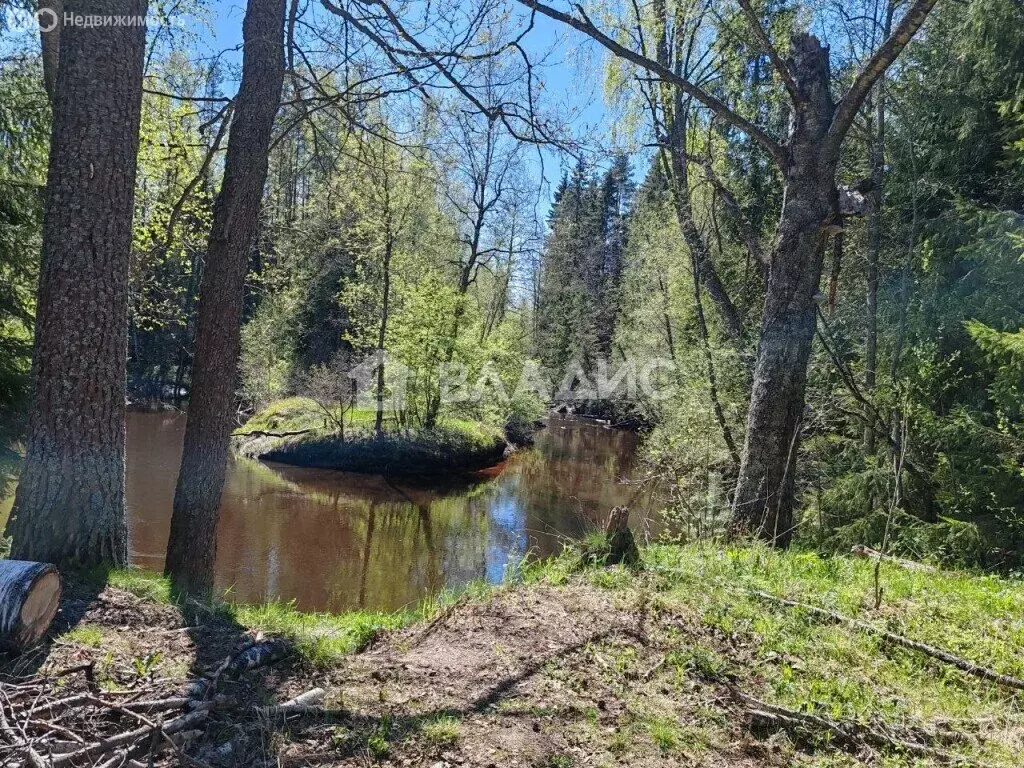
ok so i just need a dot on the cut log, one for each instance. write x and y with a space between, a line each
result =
29 599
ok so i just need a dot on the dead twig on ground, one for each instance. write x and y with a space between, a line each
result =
846 733
964 665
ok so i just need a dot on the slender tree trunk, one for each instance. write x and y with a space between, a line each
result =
192 546
876 135
666 317
716 403
764 499
433 406
50 15
69 508
704 266
676 164
382 331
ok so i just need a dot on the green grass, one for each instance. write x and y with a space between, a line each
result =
797 660
320 639
291 413
144 584
441 731
88 635
716 629
666 733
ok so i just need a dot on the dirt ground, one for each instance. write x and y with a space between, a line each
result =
527 676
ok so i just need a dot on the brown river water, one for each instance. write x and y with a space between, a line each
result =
333 541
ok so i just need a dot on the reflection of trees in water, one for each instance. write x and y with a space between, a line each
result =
332 540
576 474
367 545
340 551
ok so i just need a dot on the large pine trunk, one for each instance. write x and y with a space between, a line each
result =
70 507
192 545
765 491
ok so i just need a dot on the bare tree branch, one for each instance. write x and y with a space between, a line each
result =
769 50
874 68
720 108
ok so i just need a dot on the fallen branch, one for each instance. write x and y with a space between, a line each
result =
860 550
844 732
306 704
311 697
38 713
255 653
946 657
128 738
265 433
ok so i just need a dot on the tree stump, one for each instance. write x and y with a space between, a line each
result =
29 599
621 544
616 546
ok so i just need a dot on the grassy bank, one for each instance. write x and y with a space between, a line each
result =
300 432
680 662
320 639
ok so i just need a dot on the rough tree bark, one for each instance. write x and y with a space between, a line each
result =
764 498
192 546
69 508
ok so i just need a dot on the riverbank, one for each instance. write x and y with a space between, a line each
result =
297 431
682 662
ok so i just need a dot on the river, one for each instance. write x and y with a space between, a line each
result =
333 541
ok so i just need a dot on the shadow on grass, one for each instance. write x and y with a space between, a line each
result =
241 735
370 737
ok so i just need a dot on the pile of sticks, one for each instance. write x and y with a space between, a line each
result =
44 726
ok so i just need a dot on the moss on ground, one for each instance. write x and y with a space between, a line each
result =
454 445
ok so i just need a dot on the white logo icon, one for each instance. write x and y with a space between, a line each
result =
47 19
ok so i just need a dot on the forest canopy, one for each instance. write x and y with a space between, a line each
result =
797 253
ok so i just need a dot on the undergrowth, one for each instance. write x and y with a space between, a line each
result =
706 626
320 639
806 663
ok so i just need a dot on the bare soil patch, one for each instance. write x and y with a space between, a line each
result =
527 676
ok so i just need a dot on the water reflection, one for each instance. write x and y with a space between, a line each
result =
332 540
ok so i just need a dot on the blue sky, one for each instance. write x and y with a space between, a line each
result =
573 79
573 75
